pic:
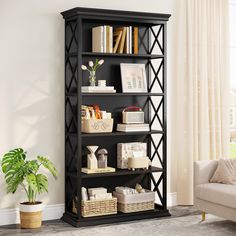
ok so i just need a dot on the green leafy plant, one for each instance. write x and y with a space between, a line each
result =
25 173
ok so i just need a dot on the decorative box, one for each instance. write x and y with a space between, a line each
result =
97 125
135 202
125 150
132 115
140 162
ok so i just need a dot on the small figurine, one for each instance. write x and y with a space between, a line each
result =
92 162
102 158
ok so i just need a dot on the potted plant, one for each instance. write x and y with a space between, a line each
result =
20 172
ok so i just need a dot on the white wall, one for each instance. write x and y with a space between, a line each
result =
32 80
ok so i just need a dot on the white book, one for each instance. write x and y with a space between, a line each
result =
97 88
98 39
127 40
130 39
101 91
105 38
132 127
111 39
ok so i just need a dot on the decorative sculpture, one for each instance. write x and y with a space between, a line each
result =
102 158
92 162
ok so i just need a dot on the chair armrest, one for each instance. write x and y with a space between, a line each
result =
203 171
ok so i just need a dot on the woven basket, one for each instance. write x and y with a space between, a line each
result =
134 207
136 202
97 125
97 207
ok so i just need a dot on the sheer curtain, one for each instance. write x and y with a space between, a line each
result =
201 88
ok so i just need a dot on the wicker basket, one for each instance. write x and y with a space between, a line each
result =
135 202
97 125
97 207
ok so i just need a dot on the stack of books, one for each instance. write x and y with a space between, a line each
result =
133 127
97 89
119 40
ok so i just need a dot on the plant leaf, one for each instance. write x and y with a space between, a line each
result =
15 176
48 165
13 167
12 158
38 183
32 166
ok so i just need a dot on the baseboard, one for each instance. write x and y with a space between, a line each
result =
50 212
172 199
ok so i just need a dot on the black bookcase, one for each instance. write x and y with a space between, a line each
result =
152 52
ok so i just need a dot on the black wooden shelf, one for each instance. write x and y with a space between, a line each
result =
119 55
120 172
123 94
117 133
152 52
116 94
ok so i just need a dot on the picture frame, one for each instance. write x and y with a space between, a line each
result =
133 78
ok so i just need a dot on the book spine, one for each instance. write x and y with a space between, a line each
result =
122 43
111 39
135 40
104 39
107 38
130 40
97 39
127 40
117 38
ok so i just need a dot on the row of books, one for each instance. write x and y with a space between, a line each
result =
105 39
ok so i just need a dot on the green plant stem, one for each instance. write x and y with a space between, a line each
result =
25 190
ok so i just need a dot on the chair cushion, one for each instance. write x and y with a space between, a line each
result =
222 194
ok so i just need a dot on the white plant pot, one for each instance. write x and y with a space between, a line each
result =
31 215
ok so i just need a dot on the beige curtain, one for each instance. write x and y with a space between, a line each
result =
201 88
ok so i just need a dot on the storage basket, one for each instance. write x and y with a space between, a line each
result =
97 125
97 207
135 202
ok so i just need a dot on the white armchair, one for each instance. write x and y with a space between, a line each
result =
214 198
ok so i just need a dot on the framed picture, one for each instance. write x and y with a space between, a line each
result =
133 78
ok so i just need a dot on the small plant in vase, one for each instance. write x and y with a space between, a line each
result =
20 172
92 68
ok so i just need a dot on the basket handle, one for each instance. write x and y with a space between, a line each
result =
132 108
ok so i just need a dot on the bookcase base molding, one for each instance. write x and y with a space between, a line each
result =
116 218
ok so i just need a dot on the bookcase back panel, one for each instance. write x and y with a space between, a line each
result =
109 144
115 105
109 71
111 182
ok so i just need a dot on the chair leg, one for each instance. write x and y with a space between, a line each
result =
203 216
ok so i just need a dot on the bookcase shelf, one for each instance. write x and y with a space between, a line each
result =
152 33
116 94
119 172
117 133
97 54
123 172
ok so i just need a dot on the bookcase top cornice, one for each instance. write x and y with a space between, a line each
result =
101 14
